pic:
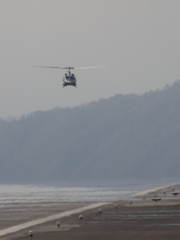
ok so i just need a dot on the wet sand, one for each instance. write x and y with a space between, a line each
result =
15 214
139 219
43 220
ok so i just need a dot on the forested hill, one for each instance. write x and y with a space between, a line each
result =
126 136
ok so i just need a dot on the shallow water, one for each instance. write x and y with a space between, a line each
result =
34 193
24 203
12 194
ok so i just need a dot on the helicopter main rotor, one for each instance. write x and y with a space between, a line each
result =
69 68
69 78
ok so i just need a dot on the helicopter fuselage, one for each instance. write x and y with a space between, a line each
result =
69 80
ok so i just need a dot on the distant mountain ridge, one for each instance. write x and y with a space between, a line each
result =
126 136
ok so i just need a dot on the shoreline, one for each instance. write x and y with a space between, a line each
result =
70 219
157 190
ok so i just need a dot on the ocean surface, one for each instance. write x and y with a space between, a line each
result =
39 193
12 194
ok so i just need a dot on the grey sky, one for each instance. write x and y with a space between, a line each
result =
139 41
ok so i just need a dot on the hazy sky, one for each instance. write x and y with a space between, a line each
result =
139 41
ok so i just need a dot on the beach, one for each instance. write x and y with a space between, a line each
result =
150 215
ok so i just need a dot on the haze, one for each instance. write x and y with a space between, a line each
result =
138 41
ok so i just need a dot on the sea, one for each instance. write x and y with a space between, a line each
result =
46 193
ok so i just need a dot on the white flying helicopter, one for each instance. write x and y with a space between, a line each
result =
69 78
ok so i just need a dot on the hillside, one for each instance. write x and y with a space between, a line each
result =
126 136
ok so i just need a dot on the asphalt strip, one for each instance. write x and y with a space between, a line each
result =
49 218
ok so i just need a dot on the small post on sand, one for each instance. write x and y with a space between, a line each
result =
116 207
100 212
30 233
58 224
81 217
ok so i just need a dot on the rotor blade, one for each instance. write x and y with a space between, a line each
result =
69 68
49 67
90 67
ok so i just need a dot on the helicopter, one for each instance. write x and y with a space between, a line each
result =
69 78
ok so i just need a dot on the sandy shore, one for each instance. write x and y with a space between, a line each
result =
166 191
142 218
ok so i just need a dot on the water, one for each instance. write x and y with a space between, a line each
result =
11 194
35 193
21 204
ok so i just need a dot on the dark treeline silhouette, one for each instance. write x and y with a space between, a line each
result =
126 136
